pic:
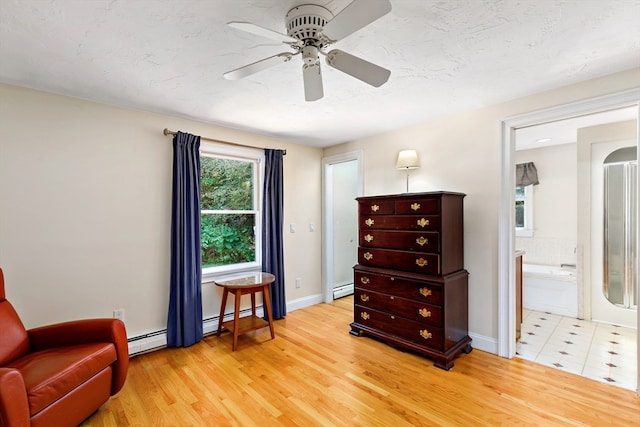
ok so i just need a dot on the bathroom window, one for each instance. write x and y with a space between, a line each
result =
524 211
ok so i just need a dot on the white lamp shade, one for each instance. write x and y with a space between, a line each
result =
408 159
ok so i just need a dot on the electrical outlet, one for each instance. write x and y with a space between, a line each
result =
298 282
118 313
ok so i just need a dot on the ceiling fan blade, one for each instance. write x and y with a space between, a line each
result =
358 14
358 68
247 70
312 81
264 32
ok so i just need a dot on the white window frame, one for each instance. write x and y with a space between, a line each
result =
239 153
527 230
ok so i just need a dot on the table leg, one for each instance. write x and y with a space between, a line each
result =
222 307
236 318
253 303
266 299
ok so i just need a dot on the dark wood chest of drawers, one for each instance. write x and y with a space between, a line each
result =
410 281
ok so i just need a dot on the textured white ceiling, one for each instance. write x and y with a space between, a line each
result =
168 56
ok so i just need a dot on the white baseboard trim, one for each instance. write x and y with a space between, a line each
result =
304 302
481 342
157 340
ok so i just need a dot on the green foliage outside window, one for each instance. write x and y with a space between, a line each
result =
228 214
226 184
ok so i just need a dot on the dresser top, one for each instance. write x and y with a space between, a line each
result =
413 195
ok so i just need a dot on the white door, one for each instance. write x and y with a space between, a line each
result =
345 223
342 183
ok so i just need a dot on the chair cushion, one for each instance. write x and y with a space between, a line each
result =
51 374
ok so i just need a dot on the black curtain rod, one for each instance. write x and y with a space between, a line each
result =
168 132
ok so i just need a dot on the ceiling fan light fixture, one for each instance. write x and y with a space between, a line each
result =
310 30
310 54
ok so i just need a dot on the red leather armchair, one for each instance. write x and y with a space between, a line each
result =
58 375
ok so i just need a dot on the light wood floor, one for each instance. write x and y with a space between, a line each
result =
316 374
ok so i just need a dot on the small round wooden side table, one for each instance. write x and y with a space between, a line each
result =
249 284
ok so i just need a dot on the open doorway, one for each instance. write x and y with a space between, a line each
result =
506 234
342 183
562 249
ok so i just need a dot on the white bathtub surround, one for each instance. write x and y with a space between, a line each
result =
600 351
547 250
551 289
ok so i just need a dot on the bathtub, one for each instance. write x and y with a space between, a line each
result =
550 289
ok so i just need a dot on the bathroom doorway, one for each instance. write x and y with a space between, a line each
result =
506 344
342 183
559 302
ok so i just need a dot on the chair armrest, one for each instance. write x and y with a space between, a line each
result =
87 331
14 407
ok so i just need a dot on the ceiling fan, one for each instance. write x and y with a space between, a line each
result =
310 30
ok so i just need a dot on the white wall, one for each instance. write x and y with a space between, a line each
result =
85 210
462 153
555 205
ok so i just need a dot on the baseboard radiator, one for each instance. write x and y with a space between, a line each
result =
342 291
158 339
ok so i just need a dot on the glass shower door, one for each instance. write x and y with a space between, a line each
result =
620 228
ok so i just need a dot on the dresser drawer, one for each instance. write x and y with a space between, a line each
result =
399 222
417 206
421 241
414 310
425 263
401 327
377 207
418 290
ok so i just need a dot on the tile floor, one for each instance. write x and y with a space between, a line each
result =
600 351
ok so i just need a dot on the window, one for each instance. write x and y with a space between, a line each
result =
230 210
524 211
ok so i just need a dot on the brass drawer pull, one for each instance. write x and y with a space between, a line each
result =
368 238
369 222
422 241
424 312
365 315
421 262
365 298
375 208
368 256
423 222
415 206
425 334
425 292
365 280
